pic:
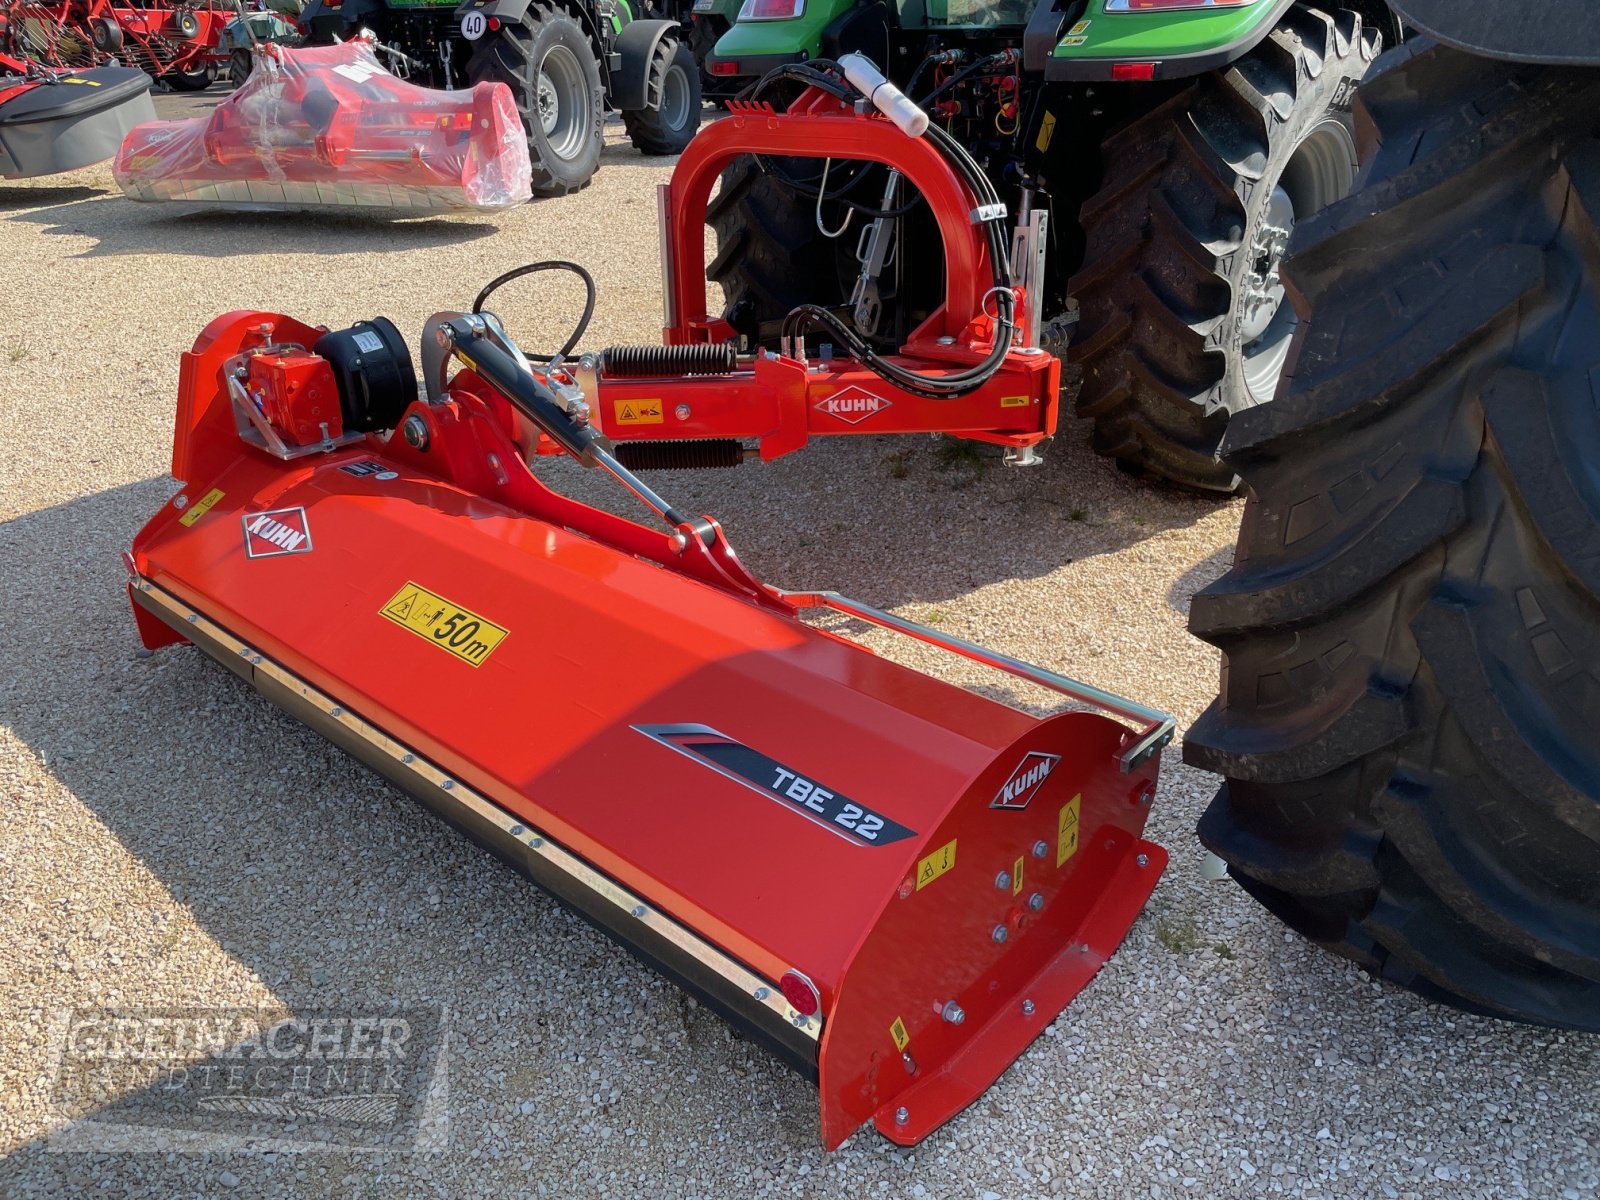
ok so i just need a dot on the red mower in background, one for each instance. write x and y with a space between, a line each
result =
177 44
328 126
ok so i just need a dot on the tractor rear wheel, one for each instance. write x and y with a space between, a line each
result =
240 63
1183 320
672 94
771 257
546 60
1411 627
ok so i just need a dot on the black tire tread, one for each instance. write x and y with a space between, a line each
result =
1161 235
1412 624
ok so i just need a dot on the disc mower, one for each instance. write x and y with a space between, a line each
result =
892 883
328 126
60 120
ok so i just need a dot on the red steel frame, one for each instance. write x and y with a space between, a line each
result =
779 401
538 751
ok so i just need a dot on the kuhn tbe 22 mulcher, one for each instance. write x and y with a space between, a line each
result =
891 882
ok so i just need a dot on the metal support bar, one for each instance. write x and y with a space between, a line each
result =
1156 726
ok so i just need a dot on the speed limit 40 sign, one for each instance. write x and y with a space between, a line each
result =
474 25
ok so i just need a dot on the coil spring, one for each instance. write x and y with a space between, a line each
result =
711 358
679 455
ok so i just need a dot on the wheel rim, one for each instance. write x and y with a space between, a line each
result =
560 81
1322 169
675 98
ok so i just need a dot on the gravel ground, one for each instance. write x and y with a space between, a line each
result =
171 840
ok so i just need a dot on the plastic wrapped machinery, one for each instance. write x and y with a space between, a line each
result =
329 126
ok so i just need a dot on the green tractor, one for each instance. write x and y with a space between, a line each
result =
1174 145
1407 724
565 61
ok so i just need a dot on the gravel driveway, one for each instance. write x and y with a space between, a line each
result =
170 840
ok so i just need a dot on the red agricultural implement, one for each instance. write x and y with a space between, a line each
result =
328 126
176 43
974 367
892 883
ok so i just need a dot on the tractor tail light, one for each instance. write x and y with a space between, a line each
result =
723 66
1133 71
1134 6
771 10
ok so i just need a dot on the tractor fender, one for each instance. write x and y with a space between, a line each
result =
1543 31
636 44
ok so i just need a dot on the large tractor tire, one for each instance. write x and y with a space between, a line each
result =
1411 627
668 123
546 60
1182 319
771 257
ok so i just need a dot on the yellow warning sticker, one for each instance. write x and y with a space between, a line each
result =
1014 402
1073 41
1047 130
1080 28
455 630
940 862
637 412
1016 877
199 509
897 1031
1067 829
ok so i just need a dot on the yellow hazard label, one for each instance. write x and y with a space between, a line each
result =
1081 27
1016 877
85 82
897 1031
1014 402
940 862
1047 130
1067 829
637 412
1073 41
455 630
199 509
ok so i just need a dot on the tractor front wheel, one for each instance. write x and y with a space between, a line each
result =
1183 317
671 114
546 60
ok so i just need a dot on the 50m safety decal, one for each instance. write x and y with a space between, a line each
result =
455 630
810 798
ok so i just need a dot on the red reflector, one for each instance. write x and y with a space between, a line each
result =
1123 71
723 67
801 993
494 23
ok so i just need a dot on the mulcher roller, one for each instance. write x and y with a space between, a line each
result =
892 883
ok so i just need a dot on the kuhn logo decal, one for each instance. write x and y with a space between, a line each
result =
1019 790
826 806
276 532
852 405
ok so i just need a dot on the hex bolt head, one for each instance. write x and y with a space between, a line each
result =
1036 901
681 412
1000 933
1002 881
953 1012
1143 860
901 1116
1027 1008
1040 849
